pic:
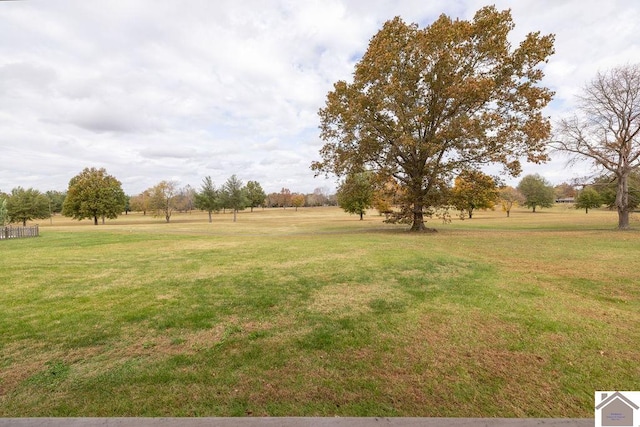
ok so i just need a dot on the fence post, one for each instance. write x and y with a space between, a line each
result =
11 232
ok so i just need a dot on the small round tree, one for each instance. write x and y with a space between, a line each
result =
93 194
537 191
588 199
474 190
26 205
355 194
509 198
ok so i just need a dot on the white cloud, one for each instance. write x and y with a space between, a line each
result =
157 90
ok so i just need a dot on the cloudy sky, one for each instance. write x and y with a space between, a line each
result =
157 90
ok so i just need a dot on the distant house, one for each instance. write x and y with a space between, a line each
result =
616 410
566 200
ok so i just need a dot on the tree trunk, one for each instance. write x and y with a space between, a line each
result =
623 219
24 222
95 220
622 201
470 213
508 212
361 215
234 215
418 218
210 219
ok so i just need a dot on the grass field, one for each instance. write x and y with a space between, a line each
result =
314 313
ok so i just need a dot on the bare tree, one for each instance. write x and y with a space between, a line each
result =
285 197
606 130
163 197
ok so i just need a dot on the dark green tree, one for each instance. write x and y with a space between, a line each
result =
355 194
57 200
26 205
607 186
93 193
208 198
537 191
588 198
428 103
255 194
4 215
234 195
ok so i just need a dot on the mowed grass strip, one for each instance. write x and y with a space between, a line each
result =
314 313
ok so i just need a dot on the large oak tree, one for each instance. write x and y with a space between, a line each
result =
426 104
606 130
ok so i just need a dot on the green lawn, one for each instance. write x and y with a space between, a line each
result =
314 313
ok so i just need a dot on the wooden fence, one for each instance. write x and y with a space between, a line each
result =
11 232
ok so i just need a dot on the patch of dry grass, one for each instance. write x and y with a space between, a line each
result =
316 313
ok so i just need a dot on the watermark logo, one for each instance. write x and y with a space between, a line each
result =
617 408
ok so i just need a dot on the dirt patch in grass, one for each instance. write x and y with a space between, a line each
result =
463 367
33 358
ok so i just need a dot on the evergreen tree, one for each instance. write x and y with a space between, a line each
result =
208 199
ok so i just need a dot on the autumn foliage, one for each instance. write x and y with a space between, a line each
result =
427 104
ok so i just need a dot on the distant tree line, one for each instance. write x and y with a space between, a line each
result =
473 190
233 195
96 195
